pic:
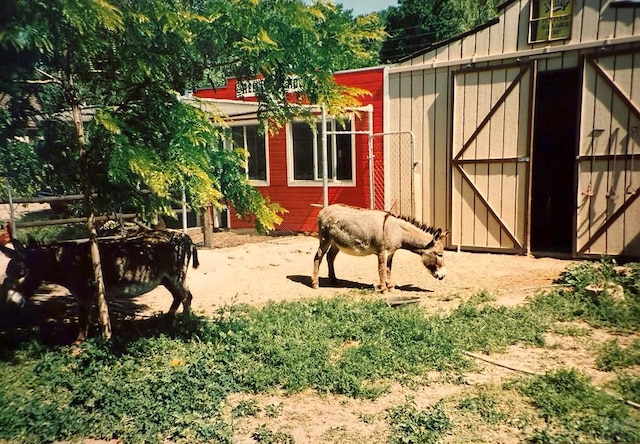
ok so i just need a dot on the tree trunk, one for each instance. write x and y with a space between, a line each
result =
103 308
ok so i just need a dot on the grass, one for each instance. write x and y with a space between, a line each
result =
574 411
169 384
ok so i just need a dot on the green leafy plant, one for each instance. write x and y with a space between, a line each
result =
265 436
611 356
409 424
575 411
484 404
244 408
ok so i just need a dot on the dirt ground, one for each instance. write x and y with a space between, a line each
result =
246 268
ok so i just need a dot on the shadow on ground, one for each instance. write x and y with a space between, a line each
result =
52 320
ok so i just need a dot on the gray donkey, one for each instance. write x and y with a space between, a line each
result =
362 232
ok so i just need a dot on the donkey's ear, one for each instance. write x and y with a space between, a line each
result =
9 252
31 242
437 235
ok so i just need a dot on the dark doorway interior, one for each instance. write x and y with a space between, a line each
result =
553 169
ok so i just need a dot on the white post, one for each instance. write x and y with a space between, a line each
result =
325 178
372 197
184 209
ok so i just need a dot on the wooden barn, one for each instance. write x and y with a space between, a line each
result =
288 166
528 130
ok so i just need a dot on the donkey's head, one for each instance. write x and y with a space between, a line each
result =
18 284
432 255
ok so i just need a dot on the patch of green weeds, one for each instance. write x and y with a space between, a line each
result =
273 410
263 435
612 356
570 330
574 411
605 310
485 404
628 386
409 424
246 407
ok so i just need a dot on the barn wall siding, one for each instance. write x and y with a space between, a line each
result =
443 93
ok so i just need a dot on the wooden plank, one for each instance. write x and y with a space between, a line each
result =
469 46
456 144
421 175
427 179
496 38
441 143
496 151
524 137
470 119
482 42
590 20
523 24
511 24
481 178
607 23
632 168
576 23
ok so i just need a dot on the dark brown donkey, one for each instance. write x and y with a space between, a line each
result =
130 267
362 232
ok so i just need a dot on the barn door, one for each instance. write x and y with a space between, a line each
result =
608 214
490 158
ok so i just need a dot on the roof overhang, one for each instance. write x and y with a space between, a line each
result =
223 108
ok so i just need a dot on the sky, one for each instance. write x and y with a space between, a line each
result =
360 7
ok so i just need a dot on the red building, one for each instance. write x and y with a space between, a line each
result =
287 166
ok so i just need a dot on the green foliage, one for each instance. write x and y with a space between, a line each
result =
605 310
611 356
409 424
265 436
416 24
246 408
576 412
484 404
121 64
628 385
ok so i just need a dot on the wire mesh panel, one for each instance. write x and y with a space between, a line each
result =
395 176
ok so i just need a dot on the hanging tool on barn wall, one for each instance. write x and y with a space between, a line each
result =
630 188
595 134
611 172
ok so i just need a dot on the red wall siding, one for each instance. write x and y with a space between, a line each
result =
304 202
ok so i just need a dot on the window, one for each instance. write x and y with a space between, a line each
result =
306 149
550 20
248 137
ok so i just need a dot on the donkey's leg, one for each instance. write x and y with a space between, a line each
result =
382 270
181 295
331 257
322 249
84 315
390 283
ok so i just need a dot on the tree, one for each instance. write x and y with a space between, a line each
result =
99 80
416 24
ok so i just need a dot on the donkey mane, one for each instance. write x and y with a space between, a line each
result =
416 223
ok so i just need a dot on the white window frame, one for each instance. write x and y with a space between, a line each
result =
227 140
317 167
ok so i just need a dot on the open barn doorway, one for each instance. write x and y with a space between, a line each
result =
553 164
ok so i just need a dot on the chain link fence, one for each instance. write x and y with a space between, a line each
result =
399 150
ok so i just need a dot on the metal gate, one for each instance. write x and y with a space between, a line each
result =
394 179
490 158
